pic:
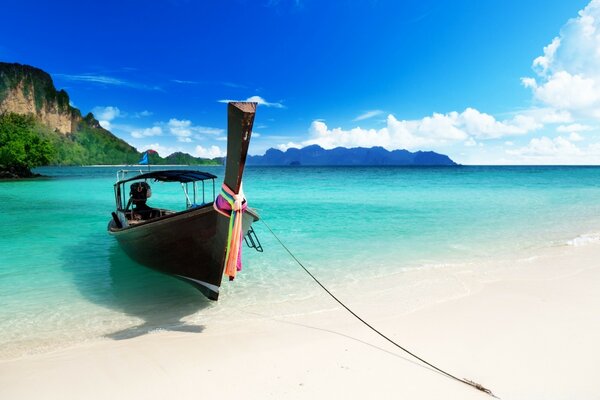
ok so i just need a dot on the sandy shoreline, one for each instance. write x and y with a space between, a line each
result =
526 330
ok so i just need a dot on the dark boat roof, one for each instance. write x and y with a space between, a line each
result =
173 175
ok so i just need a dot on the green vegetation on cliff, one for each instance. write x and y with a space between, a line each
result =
27 143
21 147
179 158
88 145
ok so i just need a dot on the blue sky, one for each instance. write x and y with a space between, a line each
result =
486 82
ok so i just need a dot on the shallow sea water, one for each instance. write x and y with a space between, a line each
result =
64 280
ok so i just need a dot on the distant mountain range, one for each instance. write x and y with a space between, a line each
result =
340 156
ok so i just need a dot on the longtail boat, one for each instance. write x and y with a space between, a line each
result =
202 242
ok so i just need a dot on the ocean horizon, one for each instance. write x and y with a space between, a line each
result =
64 280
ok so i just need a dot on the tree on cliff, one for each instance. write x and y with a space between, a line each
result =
20 147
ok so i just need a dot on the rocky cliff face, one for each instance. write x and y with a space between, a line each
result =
72 139
28 90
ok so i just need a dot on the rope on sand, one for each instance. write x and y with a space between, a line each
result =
465 381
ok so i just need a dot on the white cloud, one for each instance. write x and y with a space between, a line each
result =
545 146
140 133
571 92
180 129
185 131
558 150
105 80
367 115
184 82
207 130
142 114
575 137
259 100
289 145
435 130
470 142
210 152
542 63
105 115
574 128
486 126
549 115
569 69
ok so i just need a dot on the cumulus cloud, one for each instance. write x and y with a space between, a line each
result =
435 130
470 142
575 137
141 133
548 115
208 152
543 63
289 145
557 150
563 90
180 129
568 72
574 128
105 115
257 99
142 114
545 146
207 130
185 131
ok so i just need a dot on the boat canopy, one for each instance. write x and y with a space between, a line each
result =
172 175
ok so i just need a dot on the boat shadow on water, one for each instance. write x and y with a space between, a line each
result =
105 276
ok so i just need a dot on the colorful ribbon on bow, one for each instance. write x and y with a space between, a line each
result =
232 205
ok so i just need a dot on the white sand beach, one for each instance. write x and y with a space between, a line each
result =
526 330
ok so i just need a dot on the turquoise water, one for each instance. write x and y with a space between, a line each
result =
64 280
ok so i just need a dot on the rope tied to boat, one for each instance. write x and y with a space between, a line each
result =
232 205
466 381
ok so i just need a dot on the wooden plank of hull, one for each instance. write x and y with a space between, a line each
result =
187 245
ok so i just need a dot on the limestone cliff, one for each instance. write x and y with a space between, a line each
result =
29 90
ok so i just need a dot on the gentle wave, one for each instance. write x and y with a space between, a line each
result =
585 239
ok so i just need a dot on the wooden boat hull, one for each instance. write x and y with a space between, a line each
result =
189 245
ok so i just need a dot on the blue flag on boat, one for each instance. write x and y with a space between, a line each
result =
144 160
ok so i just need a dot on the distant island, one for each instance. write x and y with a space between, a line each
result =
315 155
39 126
